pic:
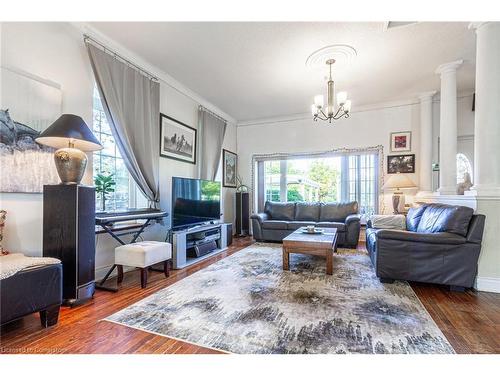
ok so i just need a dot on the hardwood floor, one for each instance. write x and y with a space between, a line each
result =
470 321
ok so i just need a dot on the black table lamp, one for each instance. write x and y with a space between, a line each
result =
71 136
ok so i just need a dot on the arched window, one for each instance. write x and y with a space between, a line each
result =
463 166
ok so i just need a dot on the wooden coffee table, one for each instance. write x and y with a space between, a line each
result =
323 244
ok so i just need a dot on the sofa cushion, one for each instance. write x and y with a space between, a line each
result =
3 215
331 224
445 218
274 224
337 211
294 225
413 217
305 211
280 211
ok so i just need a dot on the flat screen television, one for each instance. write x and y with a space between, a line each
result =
194 201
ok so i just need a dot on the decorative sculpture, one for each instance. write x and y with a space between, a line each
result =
464 186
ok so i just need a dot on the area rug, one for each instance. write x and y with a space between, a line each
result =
246 303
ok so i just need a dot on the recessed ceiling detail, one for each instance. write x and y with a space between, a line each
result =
343 54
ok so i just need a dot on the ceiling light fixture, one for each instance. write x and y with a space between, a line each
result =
333 112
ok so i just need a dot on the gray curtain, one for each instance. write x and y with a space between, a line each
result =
211 131
132 105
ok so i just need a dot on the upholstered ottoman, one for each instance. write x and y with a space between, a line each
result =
143 255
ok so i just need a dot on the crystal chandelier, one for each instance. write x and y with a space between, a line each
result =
332 113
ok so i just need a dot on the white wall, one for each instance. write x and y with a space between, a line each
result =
55 51
362 129
370 127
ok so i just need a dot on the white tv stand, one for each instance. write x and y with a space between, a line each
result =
181 241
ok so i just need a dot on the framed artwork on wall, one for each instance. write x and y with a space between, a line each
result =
401 142
229 168
401 164
29 106
177 140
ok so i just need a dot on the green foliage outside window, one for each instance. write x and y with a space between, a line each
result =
104 185
326 176
292 193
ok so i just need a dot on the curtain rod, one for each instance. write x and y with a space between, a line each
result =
201 108
87 39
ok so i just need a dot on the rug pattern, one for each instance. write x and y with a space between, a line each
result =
247 304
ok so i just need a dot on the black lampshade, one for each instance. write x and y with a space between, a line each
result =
69 128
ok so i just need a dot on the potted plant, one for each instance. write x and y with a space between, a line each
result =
104 185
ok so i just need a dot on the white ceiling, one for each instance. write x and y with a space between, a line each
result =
257 70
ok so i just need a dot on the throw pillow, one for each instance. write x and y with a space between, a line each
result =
3 215
397 222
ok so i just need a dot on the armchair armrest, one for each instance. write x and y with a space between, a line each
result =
443 238
353 227
476 228
260 217
352 218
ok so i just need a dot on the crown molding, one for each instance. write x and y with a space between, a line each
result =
428 95
363 108
308 116
276 119
85 28
477 25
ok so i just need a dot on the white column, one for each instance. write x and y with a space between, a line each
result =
487 112
448 128
426 141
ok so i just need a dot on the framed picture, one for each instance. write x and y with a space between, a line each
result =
177 140
29 106
401 141
401 164
229 168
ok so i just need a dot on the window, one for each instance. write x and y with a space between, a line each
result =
322 179
361 182
463 166
272 177
108 161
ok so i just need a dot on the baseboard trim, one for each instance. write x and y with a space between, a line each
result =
488 284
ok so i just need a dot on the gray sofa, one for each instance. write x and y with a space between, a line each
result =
441 245
280 219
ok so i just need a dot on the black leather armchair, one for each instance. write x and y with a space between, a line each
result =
32 290
441 245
